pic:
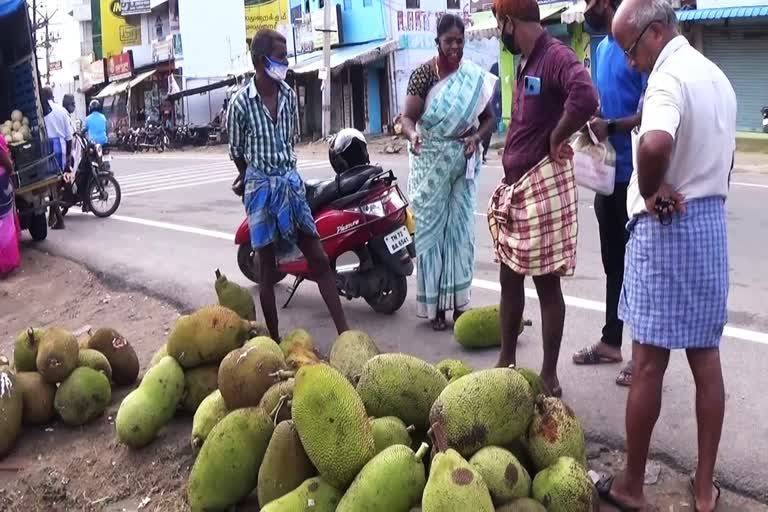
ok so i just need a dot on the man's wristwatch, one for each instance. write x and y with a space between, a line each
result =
611 127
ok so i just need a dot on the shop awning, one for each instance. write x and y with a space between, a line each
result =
485 26
345 55
121 86
574 14
140 78
725 13
203 89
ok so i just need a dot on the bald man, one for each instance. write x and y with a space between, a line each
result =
675 288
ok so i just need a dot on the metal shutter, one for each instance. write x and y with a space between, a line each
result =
742 54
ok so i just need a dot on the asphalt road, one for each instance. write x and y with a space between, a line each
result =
177 223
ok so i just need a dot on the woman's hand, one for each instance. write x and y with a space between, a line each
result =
471 145
416 142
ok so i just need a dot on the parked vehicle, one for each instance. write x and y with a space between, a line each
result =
95 188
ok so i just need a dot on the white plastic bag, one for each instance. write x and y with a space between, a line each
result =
594 163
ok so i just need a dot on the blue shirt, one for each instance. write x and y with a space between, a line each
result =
96 128
620 88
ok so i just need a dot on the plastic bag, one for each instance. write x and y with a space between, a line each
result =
594 163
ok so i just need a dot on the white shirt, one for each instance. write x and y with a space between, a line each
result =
691 99
57 123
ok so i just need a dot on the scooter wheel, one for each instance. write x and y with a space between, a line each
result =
249 265
389 301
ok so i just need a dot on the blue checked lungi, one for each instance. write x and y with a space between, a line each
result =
59 148
277 210
675 290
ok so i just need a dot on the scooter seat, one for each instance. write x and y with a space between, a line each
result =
321 193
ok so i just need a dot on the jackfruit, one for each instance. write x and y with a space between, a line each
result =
400 385
57 355
565 486
273 396
211 411
11 410
152 405
120 354
389 431
38 396
555 432
534 380
486 408
350 352
300 356
83 396
265 343
227 467
245 375
296 337
161 353
481 328
314 495
332 424
393 481
522 505
206 336
26 348
285 466
89 358
235 297
519 448
198 384
505 477
453 369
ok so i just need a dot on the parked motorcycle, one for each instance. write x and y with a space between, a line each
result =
361 210
95 187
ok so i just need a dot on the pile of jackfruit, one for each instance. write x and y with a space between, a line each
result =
360 431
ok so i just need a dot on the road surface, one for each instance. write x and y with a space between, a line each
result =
176 226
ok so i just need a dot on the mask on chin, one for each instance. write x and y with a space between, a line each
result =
275 70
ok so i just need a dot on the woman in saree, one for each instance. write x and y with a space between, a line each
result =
9 229
447 115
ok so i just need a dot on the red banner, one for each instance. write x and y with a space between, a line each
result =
119 66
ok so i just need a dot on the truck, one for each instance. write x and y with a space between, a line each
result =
37 175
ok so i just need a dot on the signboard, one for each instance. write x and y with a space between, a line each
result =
273 14
173 15
134 7
168 48
55 65
119 67
116 32
309 31
91 73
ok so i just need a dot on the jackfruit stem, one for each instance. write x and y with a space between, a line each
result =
31 336
276 411
422 451
410 429
283 374
218 274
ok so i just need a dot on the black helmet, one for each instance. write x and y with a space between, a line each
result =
94 106
348 149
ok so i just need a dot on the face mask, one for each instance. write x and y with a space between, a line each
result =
595 21
275 70
509 40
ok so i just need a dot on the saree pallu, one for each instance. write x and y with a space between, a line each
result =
443 191
9 227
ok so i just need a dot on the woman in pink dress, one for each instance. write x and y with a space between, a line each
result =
9 229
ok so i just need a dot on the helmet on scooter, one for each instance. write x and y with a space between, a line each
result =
94 106
348 149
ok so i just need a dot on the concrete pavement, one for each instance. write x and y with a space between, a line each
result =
177 223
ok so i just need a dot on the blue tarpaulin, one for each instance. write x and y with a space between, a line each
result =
10 6
723 13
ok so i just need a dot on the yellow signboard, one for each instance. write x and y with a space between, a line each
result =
260 14
116 32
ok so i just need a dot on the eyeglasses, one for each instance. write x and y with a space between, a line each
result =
629 53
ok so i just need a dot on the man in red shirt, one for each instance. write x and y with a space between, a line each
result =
533 215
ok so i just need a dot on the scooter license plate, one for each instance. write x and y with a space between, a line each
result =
106 158
398 240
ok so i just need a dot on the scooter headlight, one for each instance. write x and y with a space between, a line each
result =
375 209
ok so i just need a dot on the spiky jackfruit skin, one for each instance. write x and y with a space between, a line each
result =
350 352
400 385
83 396
486 408
332 424
26 348
505 477
211 411
453 369
38 396
120 354
297 337
57 355
206 336
314 495
454 485
555 432
522 505
235 297
565 486
389 431
479 328
285 466
89 358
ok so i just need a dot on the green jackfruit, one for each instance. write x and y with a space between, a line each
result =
297 337
534 380
285 465
198 384
83 397
152 405
271 399
11 410
454 485
265 343
565 486
161 353
227 467
38 396
453 369
393 481
211 411
350 352
300 356
520 449
314 495
26 348
522 505
400 385
89 358
389 431
120 354
246 374
481 328
555 432
57 355
206 336
332 424
505 477
235 297
486 408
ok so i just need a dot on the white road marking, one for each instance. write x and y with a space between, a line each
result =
576 302
745 184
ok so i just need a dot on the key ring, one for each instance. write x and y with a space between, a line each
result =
664 209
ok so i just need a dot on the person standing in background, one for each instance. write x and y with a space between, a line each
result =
68 102
620 88
59 130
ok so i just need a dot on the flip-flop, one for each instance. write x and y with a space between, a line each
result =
603 487
692 485
438 324
590 356
625 376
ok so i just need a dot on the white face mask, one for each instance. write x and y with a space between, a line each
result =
275 70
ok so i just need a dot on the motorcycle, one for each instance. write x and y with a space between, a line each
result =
95 187
362 211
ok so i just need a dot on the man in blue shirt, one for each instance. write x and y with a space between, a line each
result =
96 124
620 88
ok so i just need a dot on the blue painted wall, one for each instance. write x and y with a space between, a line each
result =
362 20
374 101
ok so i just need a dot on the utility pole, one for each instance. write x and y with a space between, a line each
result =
42 21
327 67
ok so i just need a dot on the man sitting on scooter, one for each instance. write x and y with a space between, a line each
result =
261 125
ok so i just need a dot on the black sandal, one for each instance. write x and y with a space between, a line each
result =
625 375
603 487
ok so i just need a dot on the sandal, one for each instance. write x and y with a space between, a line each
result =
438 324
591 356
692 484
603 487
625 375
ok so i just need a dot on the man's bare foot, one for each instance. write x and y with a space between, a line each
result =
553 385
505 361
613 490
707 500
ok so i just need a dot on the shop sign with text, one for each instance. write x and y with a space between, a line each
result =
119 66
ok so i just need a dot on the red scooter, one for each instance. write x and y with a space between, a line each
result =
361 211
